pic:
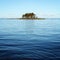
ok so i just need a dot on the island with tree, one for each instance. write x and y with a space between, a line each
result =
30 16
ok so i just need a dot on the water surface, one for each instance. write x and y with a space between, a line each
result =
30 39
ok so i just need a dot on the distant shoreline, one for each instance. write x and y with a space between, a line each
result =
26 18
32 18
29 19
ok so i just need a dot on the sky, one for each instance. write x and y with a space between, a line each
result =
42 8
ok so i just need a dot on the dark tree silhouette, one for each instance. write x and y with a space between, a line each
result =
29 15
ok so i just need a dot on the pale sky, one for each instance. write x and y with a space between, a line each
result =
42 8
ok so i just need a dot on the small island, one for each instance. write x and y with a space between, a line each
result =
27 16
30 16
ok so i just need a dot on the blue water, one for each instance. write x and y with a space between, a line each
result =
30 39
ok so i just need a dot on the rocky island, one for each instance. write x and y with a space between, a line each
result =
30 16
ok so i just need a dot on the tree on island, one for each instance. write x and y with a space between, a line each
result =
29 16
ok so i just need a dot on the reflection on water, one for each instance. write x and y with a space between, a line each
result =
30 39
29 25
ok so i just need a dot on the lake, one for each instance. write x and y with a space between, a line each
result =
29 39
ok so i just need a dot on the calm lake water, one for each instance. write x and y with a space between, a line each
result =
30 39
